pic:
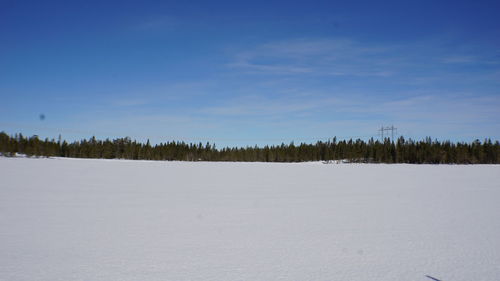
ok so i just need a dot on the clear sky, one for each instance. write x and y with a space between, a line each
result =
250 72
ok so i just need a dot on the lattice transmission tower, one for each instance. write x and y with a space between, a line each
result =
391 128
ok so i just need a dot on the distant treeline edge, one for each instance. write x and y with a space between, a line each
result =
372 151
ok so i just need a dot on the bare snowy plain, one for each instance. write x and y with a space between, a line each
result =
69 219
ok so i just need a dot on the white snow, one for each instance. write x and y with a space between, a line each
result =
68 219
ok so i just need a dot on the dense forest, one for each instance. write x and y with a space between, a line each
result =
372 151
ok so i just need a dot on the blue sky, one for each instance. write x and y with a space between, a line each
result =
245 73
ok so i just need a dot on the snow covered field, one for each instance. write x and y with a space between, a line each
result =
68 219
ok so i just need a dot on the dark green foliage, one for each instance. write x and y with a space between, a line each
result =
371 151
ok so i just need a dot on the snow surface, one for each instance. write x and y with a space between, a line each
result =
68 219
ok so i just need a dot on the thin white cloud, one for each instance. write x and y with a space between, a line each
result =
460 59
320 56
344 57
270 69
129 102
267 107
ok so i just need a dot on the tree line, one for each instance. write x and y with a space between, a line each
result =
402 150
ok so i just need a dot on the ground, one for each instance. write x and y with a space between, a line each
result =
70 219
